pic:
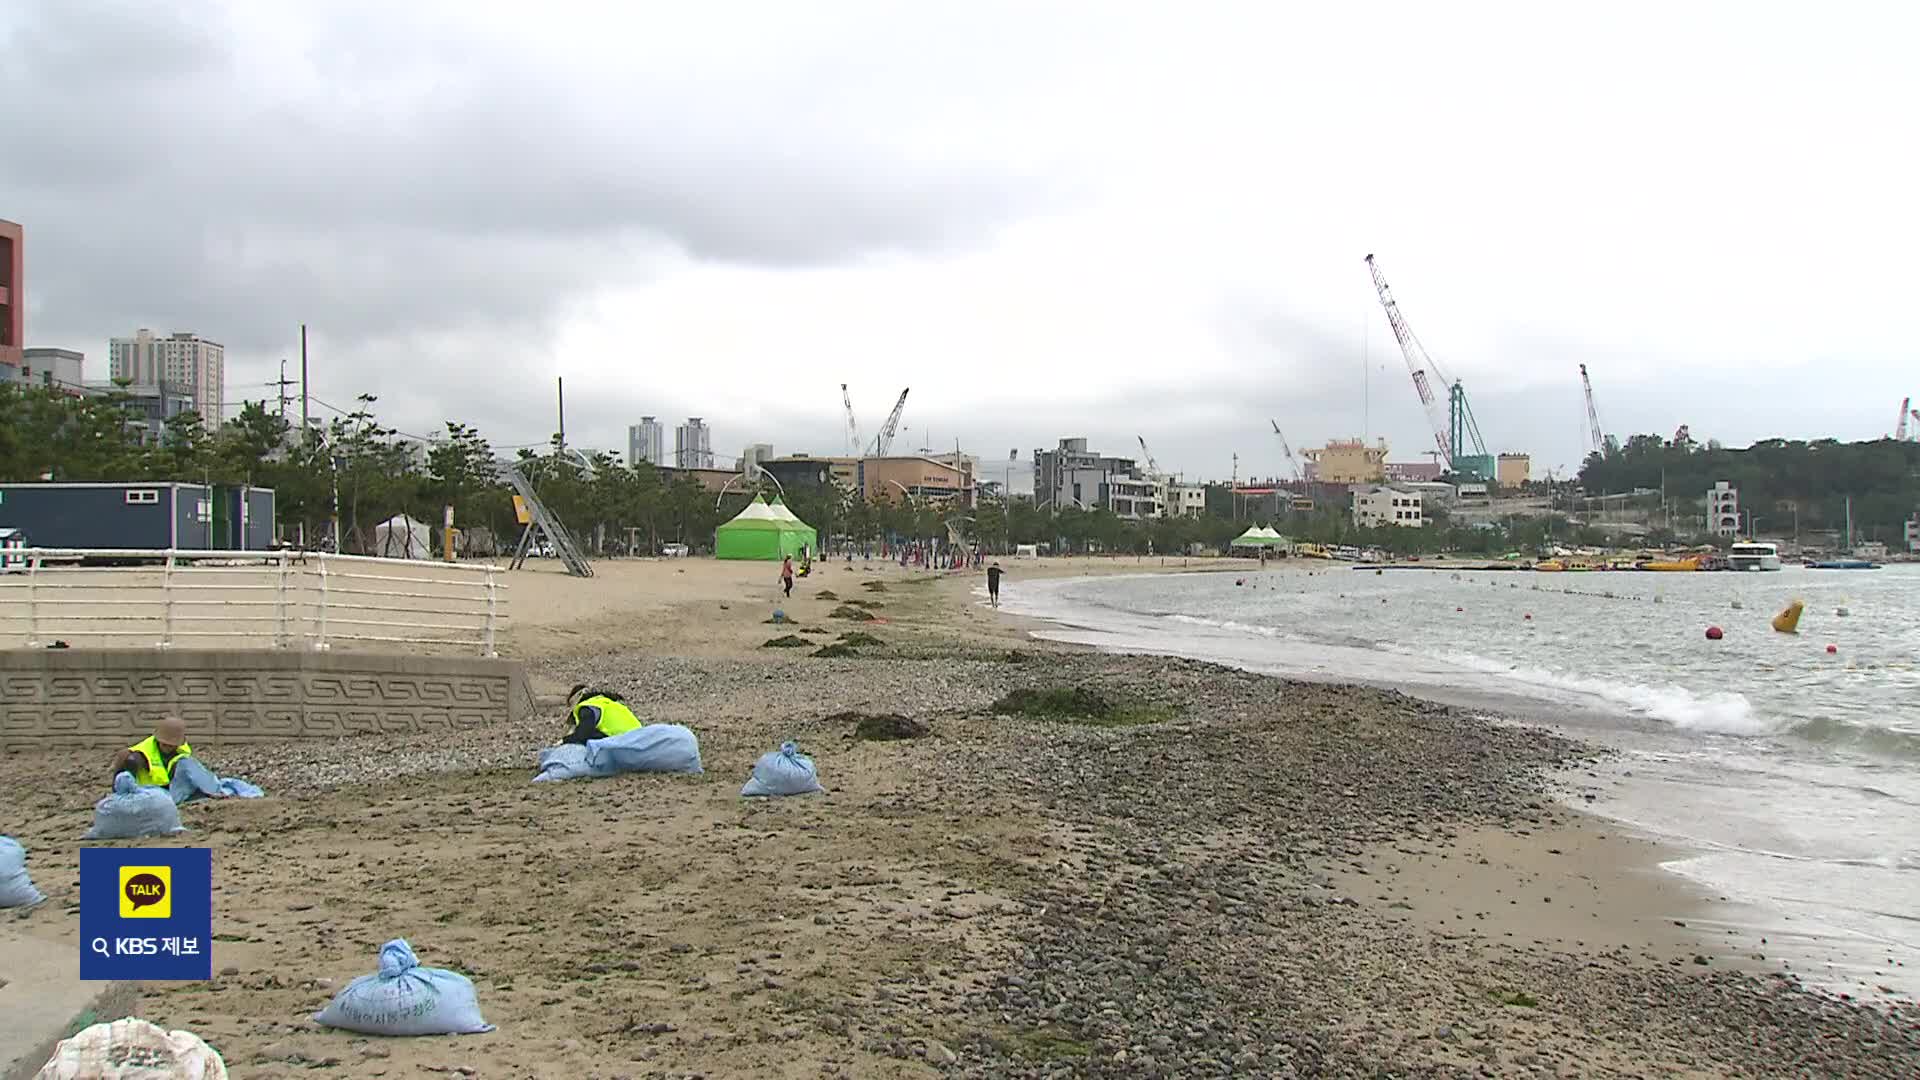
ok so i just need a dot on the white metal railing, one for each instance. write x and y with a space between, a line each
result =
298 599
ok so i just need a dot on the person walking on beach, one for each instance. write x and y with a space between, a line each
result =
786 574
993 584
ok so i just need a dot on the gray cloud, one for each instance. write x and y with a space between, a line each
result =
411 184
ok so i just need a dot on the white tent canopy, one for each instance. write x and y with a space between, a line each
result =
401 537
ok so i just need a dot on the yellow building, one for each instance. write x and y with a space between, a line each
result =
1512 470
1347 461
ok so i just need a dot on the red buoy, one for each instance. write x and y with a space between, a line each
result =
1459 609
1833 648
1529 616
1714 633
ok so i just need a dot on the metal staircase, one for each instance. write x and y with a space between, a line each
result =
544 523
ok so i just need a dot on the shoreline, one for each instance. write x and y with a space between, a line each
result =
1213 893
1832 959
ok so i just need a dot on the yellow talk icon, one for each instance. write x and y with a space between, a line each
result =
146 892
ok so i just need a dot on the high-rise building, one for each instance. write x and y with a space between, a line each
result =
753 456
693 445
646 441
182 363
13 295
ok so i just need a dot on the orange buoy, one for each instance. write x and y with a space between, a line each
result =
1714 633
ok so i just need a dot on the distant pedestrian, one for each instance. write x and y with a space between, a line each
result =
993 584
786 574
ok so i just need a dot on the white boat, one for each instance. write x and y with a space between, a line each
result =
1749 555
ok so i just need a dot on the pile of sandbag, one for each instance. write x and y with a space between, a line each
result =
16 888
404 998
133 1050
192 780
785 771
134 811
661 748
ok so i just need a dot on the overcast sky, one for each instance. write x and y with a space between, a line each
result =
1101 219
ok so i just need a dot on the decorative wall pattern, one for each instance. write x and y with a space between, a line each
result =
75 697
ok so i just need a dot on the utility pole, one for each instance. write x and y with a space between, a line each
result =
283 382
304 416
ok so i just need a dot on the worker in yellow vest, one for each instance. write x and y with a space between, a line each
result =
151 760
597 714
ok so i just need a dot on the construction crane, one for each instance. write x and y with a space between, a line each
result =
1288 451
1597 442
853 426
1455 431
1899 430
1153 467
883 442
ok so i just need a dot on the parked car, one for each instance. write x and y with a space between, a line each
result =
674 551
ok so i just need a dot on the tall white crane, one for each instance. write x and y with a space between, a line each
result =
1292 465
1153 467
883 442
853 426
1597 442
1900 430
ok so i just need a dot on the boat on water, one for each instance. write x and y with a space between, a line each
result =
1686 565
1753 555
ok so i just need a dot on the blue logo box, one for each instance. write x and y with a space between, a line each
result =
146 913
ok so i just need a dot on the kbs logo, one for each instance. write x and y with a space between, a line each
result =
146 892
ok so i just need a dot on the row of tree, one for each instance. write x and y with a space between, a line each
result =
1782 481
358 472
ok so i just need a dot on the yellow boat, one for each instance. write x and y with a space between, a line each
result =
1550 566
1671 565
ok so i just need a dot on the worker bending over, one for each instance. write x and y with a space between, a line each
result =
151 760
597 714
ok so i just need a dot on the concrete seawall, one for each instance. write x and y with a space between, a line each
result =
104 697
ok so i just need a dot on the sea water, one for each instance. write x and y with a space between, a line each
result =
1788 776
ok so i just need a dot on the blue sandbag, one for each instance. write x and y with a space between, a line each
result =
192 780
785 771
406 999
133 811
568 761
667 748
16 888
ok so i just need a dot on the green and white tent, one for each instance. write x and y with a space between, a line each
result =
1257 536
763 531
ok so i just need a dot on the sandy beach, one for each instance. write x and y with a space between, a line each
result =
1237 876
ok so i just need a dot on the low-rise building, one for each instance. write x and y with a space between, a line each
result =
49 369
1412 471
887 479
1723 509
148 406
1347 461
1182 500
1385 505
1913 533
